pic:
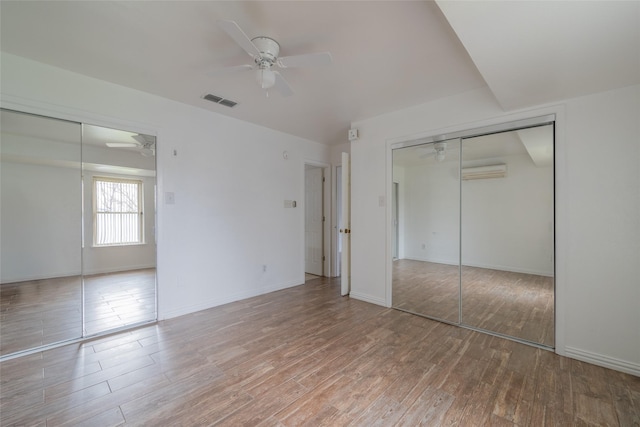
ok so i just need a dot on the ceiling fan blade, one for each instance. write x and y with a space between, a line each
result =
236 33
282 86
122 144
229 70
306 60
144 139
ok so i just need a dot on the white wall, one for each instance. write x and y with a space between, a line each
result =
40 221
229 178
507 223
597 211
431 206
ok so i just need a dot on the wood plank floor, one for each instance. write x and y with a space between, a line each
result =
40 312
514 304
306 356
118 299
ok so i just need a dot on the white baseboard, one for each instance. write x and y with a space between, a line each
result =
604 361
226 299
118 269
75 273
487 266
40 277
433 260
511 269
367 298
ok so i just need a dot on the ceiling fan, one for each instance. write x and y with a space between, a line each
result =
264 51
146 144
437 150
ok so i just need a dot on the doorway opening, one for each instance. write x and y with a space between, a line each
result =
315 224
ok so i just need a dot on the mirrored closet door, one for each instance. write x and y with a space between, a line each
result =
41 229
507 229
119 248
426 270
474 230
78 243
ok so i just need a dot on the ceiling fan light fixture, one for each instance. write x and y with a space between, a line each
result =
441 148
266 78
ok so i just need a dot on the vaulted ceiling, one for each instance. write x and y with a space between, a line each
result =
387 55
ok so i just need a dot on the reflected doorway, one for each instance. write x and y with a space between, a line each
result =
314 220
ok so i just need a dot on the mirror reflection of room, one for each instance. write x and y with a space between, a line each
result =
41 223
78 230
507 224
427 201
119 248
473 232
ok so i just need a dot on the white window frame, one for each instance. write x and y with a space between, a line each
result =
139 213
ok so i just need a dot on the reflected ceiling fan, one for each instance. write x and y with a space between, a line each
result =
146 144
264 51
437 150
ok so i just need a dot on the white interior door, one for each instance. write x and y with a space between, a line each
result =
394 219
313 225
338 233
345 231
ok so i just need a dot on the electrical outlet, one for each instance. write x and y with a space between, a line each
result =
264 268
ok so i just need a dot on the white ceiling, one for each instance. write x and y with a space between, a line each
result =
387 55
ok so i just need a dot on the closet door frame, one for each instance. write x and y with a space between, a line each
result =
30 107
507 126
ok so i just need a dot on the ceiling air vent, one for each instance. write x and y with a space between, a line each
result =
219 100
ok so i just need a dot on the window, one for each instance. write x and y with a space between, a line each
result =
117 212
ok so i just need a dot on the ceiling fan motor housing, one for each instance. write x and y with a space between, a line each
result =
269 50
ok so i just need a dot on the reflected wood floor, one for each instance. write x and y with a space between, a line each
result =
515 304
40 312
306 356
117 299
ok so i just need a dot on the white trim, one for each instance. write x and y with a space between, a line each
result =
335 271
118 269
214 302
433 260
604 361
61 112
367 298
59 275
511 269
326 212
388 294
56 111
561 221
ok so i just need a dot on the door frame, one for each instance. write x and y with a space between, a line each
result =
326 212
555 114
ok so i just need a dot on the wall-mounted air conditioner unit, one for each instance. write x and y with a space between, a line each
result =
484 172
